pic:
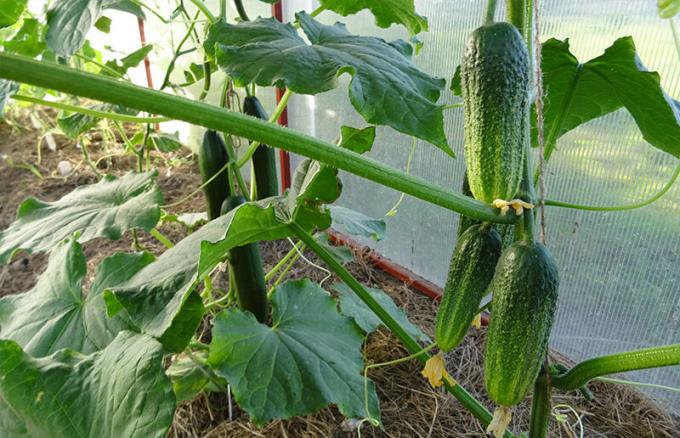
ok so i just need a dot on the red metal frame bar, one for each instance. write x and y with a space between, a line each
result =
284 156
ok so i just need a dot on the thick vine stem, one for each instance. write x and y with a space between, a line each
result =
68 80
654 357
464 397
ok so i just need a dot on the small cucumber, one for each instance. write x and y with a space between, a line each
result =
524 290
212 157
472 268
264 158
246 265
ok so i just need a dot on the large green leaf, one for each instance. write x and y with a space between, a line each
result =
121 391
28 41
352 306
577 93
10 11
386 87
56 314
105 209
160 298
308 359
386 12
358 224
69 21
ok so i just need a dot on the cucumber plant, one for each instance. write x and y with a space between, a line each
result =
141 312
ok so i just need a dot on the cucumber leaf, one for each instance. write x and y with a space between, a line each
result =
386 12
308 359
130 61
352 306
28 41
189 379
668 8
57 314
358 224
10 11
357 140
69 21
105 209
121 391
386 87
160 298
579 92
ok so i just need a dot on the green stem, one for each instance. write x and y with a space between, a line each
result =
514 12
235 169
223 10
639 384
68 80
178 51
540 405
654 357
161 238
293 251
204 9
272 119
624 207
89 111
104 67
283 274
464 397
490 12
317 11
207 74
241 10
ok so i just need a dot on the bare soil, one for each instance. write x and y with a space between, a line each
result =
410 407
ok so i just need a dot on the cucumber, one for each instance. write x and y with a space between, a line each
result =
472 268
212 157
264 158
246 264
495 90
524 290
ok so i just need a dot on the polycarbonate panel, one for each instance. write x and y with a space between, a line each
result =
620 271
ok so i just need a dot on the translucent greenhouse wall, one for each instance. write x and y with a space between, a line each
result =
620 271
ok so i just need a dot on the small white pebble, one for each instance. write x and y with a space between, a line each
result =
64 168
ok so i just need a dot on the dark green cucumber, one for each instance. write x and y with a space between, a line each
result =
264 158
472 268
495 89
246 264
524 290
212 158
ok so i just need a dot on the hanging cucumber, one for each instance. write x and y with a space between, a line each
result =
246 264
212 158
524 290
472 268
495 90
264 159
